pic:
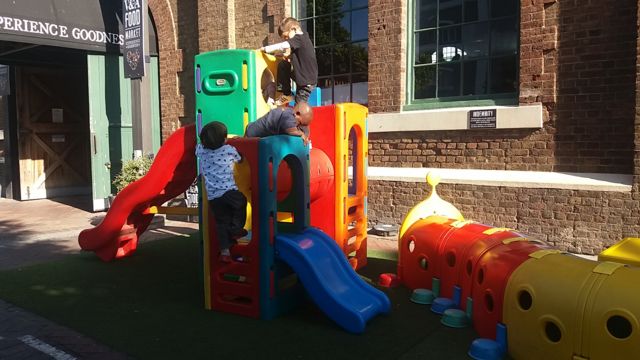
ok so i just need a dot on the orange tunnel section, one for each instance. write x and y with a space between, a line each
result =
320 179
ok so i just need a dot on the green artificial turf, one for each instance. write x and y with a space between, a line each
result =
150 306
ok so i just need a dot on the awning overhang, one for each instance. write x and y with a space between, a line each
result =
94 25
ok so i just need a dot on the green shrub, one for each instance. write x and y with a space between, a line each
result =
132 170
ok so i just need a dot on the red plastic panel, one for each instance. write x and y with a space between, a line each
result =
418 251
490 279
172 172
235 287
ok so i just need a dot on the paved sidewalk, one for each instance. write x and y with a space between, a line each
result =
27 336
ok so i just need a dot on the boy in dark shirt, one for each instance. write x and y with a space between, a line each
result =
283 121
303 61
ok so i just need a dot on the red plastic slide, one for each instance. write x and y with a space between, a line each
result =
171 173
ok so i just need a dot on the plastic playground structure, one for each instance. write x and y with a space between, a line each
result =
290 188
307 230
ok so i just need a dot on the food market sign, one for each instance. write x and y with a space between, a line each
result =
133 38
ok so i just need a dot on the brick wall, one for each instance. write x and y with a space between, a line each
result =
596 85
215 24
387 55
580 68
276 11
251 23
636 158
494 150
577 221
172 101
188 48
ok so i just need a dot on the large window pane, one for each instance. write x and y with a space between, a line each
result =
324 7
425 82
503 75
504 36
360 25
359 3
475 40
360 57
504 7
475 10
323 55
339 31
360 88
450 44
449 80
341 89
426 47
341 59
475 77
341 27
426 14
305 8
450 12
326 90
465 48
344 4
323 30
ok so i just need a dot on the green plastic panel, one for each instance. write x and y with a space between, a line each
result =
222 91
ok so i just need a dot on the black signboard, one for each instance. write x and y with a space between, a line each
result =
133 49
482 119
5 88
79 24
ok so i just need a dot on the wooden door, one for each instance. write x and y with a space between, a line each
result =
53 131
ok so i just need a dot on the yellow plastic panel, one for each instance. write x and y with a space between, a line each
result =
242 175
627 251
266 72
543 306
432 205
612 323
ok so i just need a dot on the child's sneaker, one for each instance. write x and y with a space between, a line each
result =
284 100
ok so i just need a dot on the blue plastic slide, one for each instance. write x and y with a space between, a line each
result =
330 280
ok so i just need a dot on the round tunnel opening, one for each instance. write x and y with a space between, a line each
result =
552 331
525 300
424 263
619 327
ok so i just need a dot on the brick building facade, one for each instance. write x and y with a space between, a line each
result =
577 75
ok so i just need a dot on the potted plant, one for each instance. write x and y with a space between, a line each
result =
131 171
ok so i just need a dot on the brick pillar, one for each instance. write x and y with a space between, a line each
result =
636 152
387 55
538 54
216 25
170 64
277 10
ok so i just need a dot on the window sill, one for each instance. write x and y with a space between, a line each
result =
507 178
507 117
